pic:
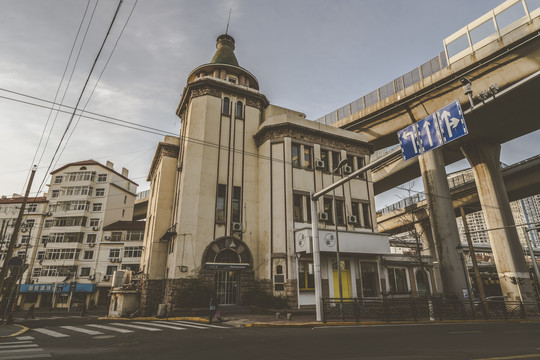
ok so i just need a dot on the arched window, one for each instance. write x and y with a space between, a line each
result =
226 106
239 110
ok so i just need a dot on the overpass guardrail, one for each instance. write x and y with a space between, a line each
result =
487 28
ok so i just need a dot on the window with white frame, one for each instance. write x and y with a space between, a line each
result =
97 206
58 179
88 255
102 178
133 251
93 222
85 271
135 236
100 192
397 277
91 238
114 253
31 207
116 236
111 269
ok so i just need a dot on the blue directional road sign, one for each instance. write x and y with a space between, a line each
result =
452 122
429 133
408 139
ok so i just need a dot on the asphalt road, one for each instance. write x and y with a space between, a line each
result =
511 340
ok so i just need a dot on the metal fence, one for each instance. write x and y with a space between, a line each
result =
424 309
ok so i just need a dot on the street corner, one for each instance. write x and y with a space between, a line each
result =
12 330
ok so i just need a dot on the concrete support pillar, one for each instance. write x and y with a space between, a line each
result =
514 277
443 224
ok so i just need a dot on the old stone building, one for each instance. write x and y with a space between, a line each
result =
229 197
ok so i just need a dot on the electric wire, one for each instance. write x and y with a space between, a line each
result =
56 96
99 78
80 96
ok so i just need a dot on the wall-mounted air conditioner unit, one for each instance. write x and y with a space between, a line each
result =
347 169
91 277
319 164
236 226
351 219
48 213
92 244
106 277
17 245
323 216
107 237
95 228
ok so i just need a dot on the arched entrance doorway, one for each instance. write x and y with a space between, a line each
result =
227 258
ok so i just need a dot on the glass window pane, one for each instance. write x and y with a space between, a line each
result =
482 31
297 207
442 58
308 158
532 4
458 45
510 15
369 279
295 155
415 74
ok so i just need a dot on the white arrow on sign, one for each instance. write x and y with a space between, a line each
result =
410 135
426 129
451 123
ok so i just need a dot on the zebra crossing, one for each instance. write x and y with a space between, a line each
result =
122 327
22 348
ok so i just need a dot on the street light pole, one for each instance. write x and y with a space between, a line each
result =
315 222
338 258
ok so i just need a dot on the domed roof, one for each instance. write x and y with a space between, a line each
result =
225 51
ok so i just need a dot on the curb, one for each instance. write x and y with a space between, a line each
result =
367 323
22 331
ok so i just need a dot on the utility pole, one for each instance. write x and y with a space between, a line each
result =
15 234
473 258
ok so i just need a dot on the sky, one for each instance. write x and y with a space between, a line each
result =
312 56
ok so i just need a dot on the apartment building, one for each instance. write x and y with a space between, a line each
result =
68 263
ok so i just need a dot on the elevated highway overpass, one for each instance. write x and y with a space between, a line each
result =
521 180
499 56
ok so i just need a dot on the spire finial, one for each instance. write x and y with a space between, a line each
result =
228 21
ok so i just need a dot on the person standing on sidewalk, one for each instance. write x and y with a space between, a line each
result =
30 312
212 309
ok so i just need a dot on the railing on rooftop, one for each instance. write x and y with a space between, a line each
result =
143 195
487 28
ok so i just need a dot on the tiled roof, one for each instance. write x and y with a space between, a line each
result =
19 200
126 225
91 162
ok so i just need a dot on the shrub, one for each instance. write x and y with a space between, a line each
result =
194 293
260 298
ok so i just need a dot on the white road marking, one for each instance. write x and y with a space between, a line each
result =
26 356
170 326
137 327
465 332
24 337
2 352
16 342
82 330
105 327
50 332
190 324
19 346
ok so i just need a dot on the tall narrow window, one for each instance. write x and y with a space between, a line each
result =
236 204
220 203
308 157
361 164
325 158
369 279
356 212
298 208
295 155
226 106
351 162
340 212
366 216
335 160
239 110
328 209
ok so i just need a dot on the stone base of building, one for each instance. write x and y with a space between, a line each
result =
151 295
